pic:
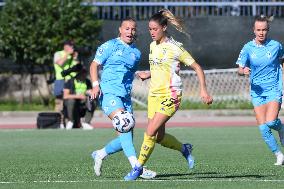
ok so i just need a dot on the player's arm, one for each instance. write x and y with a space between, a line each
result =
95 92
243 69
206 98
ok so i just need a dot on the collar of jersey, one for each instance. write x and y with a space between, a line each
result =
125 44
260 45
167 40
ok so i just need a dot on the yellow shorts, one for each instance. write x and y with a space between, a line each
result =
166 105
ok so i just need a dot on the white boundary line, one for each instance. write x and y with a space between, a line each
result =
153 180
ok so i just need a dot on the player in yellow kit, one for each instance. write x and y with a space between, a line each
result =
165 93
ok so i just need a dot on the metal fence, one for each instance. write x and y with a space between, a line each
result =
143 9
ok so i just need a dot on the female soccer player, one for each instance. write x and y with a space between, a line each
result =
261 58
165 92
119 58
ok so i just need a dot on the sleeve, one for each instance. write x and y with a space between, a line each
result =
281 52
185 57
243 57
56 57
103 52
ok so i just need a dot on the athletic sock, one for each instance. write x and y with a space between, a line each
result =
127 144
102 153
147 148
113 146
169 141
133 160
268 138
275 124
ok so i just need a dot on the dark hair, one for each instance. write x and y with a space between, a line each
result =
69 42
159 18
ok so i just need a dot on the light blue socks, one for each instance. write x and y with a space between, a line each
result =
275 124
269 138
113 146
126 141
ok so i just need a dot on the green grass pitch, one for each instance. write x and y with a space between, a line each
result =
228 157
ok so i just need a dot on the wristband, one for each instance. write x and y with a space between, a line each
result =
95 83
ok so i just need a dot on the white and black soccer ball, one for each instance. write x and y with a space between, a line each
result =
123 121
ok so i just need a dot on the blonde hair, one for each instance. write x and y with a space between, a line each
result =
164 16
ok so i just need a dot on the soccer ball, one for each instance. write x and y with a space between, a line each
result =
123 121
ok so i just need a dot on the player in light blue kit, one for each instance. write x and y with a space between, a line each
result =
119 59
261 58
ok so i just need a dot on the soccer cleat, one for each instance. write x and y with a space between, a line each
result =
134 174
281 135
69 125
61 126
148 174
280 159
187 149
87 126
97 163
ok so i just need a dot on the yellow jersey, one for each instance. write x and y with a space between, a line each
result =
164 60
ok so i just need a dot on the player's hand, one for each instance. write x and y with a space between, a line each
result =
95 92
246 70
81 96
143 75
206 98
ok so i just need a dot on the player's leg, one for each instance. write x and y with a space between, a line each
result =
148 145
109 104
169 141
274 106
273 122
111 147
168 106
263 112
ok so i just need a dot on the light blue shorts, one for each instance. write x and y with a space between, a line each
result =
110 102
260 100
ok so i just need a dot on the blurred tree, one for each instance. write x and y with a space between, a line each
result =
32 30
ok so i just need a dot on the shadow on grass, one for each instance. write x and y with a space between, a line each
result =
207 175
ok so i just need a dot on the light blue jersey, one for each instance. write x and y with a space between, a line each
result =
119 61
265 64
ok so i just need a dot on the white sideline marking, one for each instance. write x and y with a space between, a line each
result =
150 180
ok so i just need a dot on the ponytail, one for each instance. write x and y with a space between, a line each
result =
164 16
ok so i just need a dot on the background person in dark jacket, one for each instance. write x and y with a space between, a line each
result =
77 105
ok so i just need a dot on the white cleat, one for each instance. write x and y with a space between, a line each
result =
280 159
69 125
148 174
281 135
97 163
87 126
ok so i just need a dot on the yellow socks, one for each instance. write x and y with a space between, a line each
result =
171 142
147 148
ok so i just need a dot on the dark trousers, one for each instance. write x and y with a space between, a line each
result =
75 109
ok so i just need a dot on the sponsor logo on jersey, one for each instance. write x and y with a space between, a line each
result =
268 54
